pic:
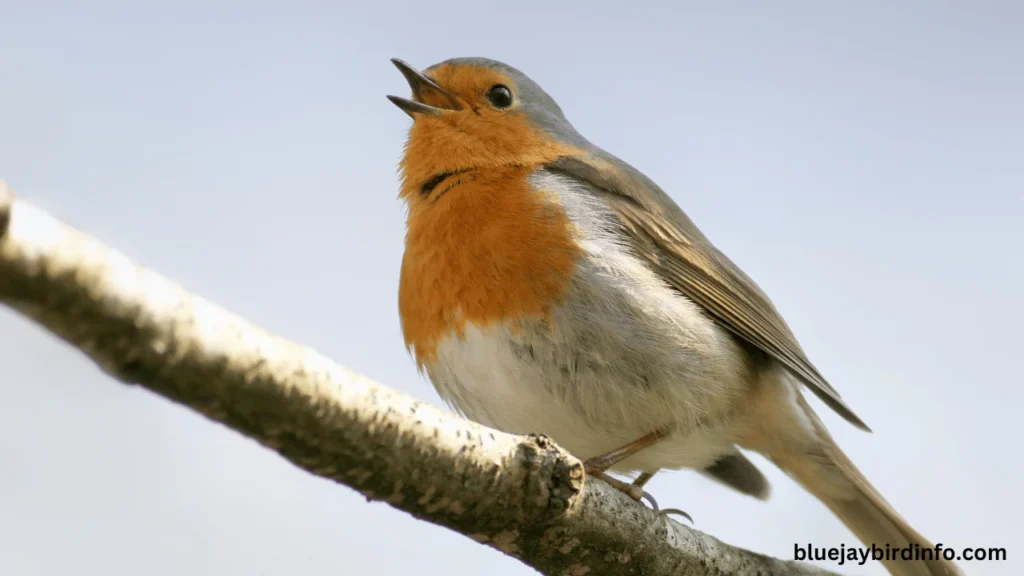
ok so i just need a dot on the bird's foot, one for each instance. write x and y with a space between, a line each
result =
634 490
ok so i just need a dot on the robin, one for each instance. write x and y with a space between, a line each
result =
549 287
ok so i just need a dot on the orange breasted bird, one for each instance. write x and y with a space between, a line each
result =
550 287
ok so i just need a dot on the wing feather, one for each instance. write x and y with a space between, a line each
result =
676 249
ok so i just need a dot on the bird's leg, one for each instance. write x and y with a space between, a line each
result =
605 461
643 479
598 466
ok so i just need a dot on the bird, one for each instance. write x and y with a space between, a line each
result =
549 287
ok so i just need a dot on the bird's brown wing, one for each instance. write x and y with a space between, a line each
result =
677 250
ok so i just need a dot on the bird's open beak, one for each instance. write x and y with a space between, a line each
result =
422 86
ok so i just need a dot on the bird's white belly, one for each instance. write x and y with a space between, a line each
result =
491 377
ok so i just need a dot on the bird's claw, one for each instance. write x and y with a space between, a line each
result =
675 511
637 493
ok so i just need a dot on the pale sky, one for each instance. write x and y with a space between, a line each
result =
863 161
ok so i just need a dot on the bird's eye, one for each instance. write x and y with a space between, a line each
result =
500 96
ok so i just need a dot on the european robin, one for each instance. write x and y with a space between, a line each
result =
549 287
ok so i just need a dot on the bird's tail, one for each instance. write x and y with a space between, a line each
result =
830 475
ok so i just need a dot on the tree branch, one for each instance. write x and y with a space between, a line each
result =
521 495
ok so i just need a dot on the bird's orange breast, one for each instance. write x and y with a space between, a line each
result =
484 248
